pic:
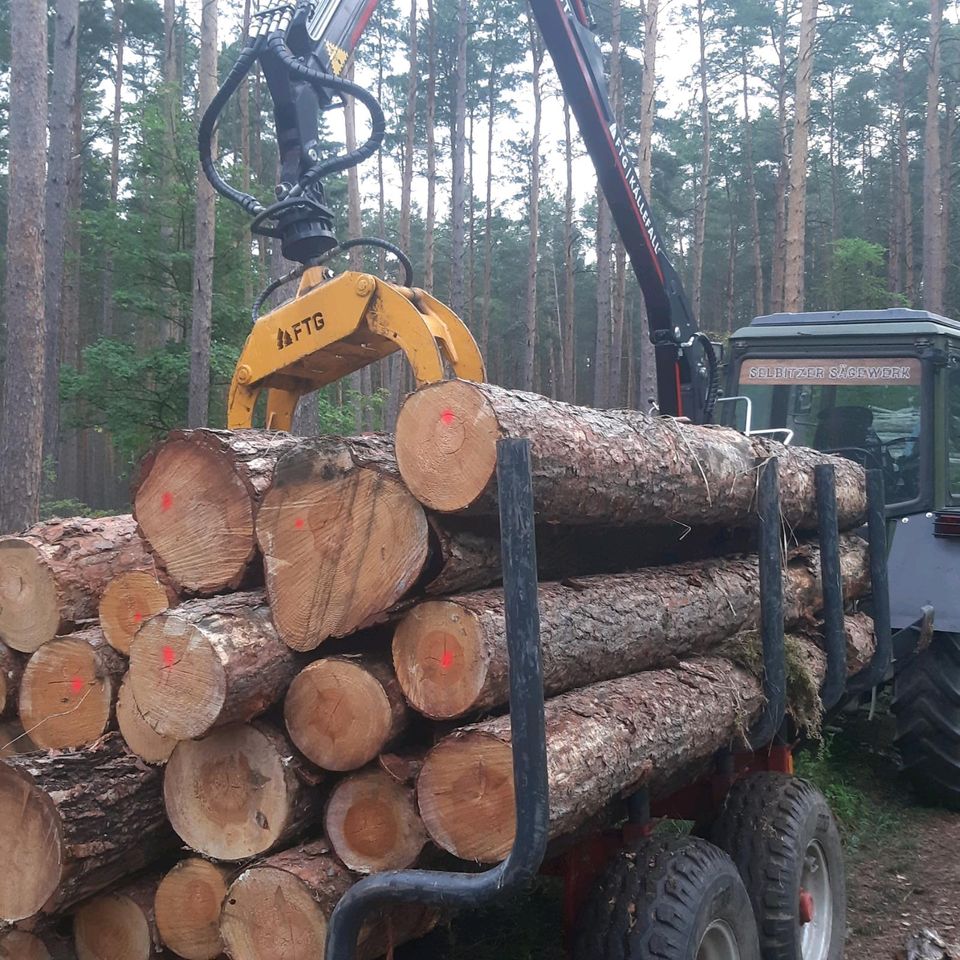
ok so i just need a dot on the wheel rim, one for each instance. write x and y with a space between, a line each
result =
815 884
718 943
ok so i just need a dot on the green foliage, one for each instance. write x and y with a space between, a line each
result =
856 277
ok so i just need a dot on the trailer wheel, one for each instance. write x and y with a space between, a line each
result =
674 899
927 706
784 840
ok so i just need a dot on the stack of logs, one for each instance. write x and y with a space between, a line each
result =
288 667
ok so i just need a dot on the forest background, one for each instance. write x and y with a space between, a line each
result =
798 155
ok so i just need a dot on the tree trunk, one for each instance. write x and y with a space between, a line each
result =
60 167
652 726
69 690
703 180
451 654
903 168
342 712
589 466
239 792
493 102
51 578
120 923
619 285
171 120
933 268
130 599
196 498
946 192
601 360
188 903
21 424
140 737
73 822
751 179
243 102
778 267
569 366
793 281
208 663
201 324
458 145
409 130
115 131
430 226
11 670
372 822
296 891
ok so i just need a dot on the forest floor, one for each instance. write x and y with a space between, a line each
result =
903 863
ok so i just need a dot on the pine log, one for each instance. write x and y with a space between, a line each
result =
73 822
601 466
69 690
603 741
52 576
451 659
341 712
20 945
372 822
239 792
280 908
119 924
140 737
187 907
128 601
11 670
196 500
209 662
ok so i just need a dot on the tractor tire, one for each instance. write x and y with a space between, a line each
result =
673 899
926 703
782 836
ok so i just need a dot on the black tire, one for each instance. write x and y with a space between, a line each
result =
657 902
773 826
927 706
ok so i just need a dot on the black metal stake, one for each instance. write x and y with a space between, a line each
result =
832 584
441 889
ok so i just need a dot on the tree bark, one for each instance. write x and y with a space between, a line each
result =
341 712
601 359
118 47
603 742
75 822
52 576
756 246
240 791
703 179
903 169
493 102
451 655
590 466
281 906
187 906
567 341
196 498
209 662
201 324
140 737
120 923
69 690
21 423
11 670
458 145
793 282
778 267
430 226
619 285
933 267
372 822
128 601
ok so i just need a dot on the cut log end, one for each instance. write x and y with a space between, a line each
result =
447 444
197 515
465 794
67 694
338 714
438 654
141 738
29 605
187 907
129 600
372 822
112 926
20 945
31 850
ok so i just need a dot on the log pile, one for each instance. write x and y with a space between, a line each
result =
288 669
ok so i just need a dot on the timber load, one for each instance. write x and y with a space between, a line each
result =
288 669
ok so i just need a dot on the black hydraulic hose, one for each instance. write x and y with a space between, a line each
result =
372 242
272 287
713 371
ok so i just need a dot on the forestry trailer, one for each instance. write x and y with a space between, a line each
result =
769 883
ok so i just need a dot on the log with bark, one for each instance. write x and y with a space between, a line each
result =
69 690
187 907
140 737
341 712
129 600
450 655
240 791
52 576
281 906
209 662
73 822
602 467
119 924
196 500
11 670
372 821
603 741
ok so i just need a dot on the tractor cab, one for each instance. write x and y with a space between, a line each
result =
881 387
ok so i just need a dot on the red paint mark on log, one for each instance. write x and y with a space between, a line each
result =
448 416
137 617
298 523
77 684
166 501
446 659
168 656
